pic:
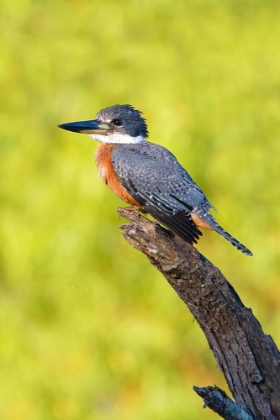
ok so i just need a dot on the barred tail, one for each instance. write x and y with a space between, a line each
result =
232 240
212 222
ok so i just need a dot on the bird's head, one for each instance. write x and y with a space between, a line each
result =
115 124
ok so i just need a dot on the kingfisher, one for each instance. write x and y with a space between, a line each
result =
147 175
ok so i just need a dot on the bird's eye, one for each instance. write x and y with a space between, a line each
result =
117 121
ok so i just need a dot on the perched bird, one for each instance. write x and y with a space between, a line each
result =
147 175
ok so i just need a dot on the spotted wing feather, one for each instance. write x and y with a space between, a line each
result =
155 179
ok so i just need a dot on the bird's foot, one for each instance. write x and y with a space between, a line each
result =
133 208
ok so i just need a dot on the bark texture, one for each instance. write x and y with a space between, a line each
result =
218 401
249 359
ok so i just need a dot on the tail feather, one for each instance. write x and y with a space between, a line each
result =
212 222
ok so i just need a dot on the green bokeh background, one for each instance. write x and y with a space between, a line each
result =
88 329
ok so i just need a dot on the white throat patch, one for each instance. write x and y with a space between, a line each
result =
116 138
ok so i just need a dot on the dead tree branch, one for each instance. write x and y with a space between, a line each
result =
249 359
218 401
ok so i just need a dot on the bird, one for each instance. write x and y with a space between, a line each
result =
147 175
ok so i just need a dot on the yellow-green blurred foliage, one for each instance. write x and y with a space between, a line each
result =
89 330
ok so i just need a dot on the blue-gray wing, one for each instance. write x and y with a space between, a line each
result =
155 179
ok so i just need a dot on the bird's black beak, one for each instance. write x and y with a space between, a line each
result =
86 127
